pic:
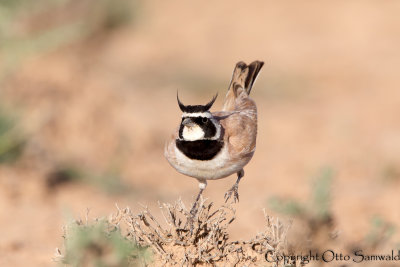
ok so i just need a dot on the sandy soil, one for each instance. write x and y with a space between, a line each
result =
327 96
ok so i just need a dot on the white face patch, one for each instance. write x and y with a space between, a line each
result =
197 114
192 133
218 134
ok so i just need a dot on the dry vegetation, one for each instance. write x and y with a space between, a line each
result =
182 241
140 239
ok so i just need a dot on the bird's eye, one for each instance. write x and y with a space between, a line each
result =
204 120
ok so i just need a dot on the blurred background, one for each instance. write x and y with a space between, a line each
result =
88 98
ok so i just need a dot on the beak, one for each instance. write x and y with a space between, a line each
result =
188 122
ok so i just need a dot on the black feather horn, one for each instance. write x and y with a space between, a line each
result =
181 105
209 104
196 108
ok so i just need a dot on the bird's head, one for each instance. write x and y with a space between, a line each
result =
198 123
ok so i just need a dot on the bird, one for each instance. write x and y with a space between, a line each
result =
213 145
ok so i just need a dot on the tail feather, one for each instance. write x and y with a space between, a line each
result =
254 68
243 78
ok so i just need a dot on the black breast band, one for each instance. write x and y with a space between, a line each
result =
200 149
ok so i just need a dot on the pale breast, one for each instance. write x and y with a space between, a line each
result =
222 165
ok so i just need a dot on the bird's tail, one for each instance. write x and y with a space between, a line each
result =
243 78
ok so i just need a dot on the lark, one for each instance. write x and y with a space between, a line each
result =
213 145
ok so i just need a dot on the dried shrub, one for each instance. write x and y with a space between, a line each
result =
203 240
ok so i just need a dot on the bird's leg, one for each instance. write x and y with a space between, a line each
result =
234 189
194 209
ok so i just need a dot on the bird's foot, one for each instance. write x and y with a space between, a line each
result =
233 191
193 212
190 223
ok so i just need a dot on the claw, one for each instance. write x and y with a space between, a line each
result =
234 191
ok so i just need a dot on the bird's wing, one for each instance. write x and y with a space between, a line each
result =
240 131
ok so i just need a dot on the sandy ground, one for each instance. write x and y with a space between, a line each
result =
328 96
